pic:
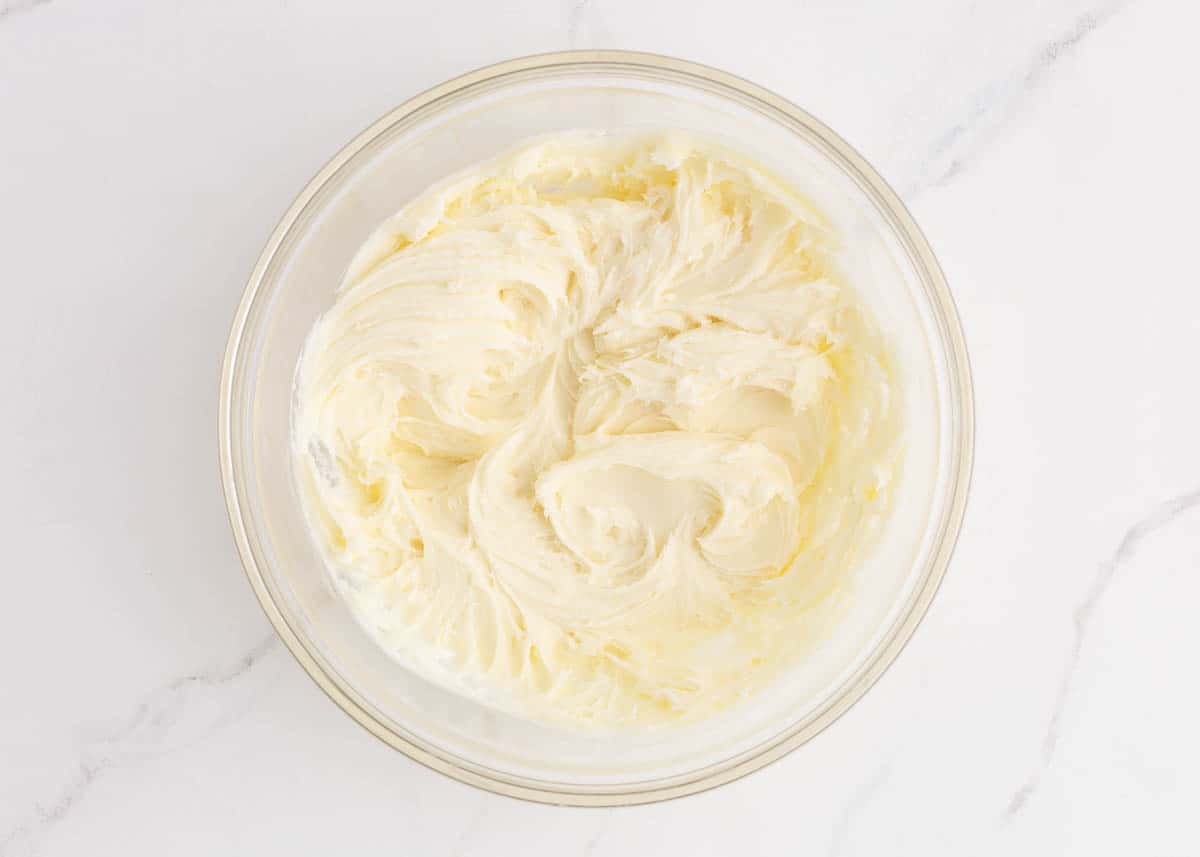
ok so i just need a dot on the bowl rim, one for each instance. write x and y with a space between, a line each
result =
886 651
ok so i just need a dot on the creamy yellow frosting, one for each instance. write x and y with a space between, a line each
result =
595 430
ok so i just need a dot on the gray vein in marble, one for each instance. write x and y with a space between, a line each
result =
16 7
575 14
142 733
585 26
593 842
474 823
1160 518
859 800
995 105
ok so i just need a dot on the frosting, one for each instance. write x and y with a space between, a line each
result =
595 430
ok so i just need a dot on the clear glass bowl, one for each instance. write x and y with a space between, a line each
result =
468 120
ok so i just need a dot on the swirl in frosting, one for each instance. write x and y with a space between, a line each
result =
595 430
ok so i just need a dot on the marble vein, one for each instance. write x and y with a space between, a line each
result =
585 27
859 800
15 7
575 14
1160 518
593 842
996 104
142 735
474 823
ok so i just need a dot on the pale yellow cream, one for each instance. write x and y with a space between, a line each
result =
595 431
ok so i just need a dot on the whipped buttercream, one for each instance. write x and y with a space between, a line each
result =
596 431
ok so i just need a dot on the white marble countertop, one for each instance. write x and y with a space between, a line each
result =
1047 705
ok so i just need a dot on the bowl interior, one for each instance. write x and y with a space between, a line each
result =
884 259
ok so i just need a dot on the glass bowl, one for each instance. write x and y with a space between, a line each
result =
467 120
